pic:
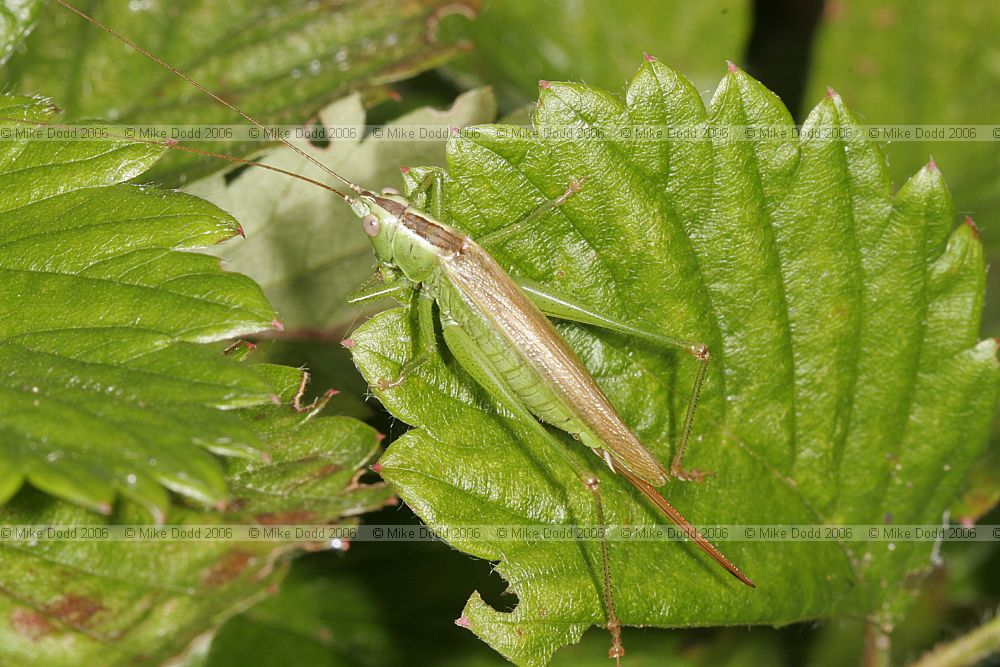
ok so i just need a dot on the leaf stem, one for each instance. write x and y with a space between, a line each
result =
969 649
878 646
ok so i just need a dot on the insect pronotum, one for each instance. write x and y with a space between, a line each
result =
498 331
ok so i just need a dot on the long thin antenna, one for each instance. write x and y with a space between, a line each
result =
251 163
174 145
229 105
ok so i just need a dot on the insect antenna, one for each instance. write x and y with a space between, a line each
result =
254 163
232 107
172 144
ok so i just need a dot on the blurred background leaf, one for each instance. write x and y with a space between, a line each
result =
280 61
16 20
518 42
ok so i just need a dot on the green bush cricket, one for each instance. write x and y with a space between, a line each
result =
499 332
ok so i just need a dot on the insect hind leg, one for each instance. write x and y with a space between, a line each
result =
700 352
562 307
614 624
472 358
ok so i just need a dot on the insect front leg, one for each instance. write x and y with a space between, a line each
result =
381 285
471 357
425 189
562 308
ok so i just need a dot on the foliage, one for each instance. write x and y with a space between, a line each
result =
847 383
280 61
835 397
128 602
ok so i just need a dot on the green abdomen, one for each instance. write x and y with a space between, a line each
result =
523 380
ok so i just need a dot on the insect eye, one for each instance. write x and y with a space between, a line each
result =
371 225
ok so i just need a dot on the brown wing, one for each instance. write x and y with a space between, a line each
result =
529 332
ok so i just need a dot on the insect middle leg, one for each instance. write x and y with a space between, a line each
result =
425 344
559 307
516 226
472 358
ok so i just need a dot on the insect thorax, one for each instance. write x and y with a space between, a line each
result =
421 243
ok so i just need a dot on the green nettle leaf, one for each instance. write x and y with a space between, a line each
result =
134 602
882 55
847 384
329 614
304 246
105 388
279 61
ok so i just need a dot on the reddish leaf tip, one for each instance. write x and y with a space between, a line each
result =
393 501
170 143
239 230
376 468
831 93
251 345
972 227
648 57
932 165
404 169
348 343
543 84
395 96
453 130
379 436
731 66
331 392
277 326
463 622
